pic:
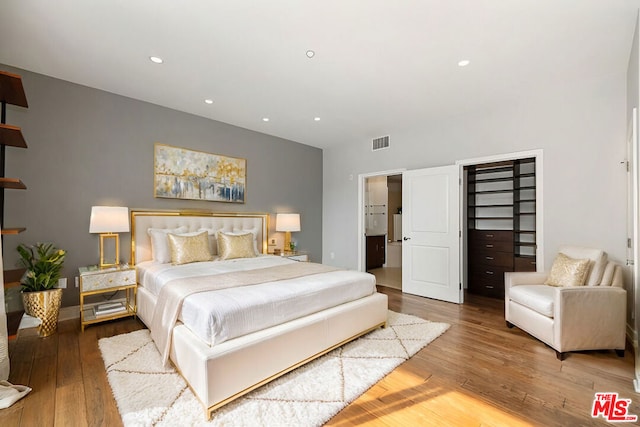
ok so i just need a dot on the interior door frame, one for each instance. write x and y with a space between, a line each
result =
362 178
538 155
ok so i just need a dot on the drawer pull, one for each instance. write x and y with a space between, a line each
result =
489 235
489 287
488 246
489 272
490 258
110 280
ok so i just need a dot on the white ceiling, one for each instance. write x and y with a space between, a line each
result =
381 66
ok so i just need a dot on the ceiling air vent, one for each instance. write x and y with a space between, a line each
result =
380 143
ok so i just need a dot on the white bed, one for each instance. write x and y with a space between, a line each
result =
220 366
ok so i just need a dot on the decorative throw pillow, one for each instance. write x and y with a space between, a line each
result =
213 233
159 243
231 246
186 249
567 271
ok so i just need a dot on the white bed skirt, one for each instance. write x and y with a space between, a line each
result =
231 369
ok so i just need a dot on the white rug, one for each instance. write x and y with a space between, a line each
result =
149 395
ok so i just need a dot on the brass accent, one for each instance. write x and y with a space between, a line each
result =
116 261
45 305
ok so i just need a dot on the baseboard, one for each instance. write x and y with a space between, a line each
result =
69 313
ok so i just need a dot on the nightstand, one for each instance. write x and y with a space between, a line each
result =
297 256
96 281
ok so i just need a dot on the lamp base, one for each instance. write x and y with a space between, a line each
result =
287 241
113 261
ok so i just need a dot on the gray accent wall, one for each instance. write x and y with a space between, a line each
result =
88 147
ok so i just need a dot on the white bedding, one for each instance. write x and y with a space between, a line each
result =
217 316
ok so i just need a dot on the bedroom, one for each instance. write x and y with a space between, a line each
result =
89 147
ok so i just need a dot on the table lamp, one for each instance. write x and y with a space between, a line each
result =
109 221
287 223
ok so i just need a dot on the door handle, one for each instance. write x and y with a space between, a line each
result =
406 238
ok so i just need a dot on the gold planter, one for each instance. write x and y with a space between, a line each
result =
45 305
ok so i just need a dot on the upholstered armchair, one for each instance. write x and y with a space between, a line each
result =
582 306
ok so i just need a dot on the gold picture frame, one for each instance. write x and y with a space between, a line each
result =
180 173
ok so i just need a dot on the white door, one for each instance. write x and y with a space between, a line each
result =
633 224
431 233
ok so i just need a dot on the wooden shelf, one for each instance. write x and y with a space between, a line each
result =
11 89
12 135
497 205
12 277
13 183
11 92
16 230
488 180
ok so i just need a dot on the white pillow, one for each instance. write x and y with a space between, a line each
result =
160 251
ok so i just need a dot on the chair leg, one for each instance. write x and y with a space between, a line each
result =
560 355
620 353
509 324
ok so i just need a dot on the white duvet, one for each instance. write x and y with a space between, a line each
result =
217 316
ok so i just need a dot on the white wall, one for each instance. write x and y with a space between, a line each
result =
581 127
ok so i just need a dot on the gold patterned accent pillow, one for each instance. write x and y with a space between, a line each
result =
567 271
231 246
189 248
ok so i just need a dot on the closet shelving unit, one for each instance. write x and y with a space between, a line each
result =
501 217
11 93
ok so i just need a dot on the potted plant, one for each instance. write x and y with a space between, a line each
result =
43 263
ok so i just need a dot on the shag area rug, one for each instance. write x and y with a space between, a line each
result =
147 394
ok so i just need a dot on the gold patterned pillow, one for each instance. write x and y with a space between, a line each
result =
567 271
189 248
231 246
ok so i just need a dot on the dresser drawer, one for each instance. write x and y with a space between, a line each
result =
524 264
491 235
487 289
487 273
106 280
493 245
493 258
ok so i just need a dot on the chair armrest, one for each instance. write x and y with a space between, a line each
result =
523 278
590 317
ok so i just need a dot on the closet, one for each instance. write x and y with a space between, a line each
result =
501 223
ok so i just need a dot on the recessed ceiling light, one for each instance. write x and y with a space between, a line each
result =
317 119
310 53
265 119
464 63
208 101
156 59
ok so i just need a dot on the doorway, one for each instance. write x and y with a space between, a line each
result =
382 210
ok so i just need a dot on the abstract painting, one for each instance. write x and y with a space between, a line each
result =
195 175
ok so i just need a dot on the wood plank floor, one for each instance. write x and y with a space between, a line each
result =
477 373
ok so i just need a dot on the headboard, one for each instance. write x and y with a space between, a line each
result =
142 220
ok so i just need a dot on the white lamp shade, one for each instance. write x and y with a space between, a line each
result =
288 222
109 219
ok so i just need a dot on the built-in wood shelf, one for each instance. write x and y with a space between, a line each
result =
11 89
12 135
13 183
16 230
12 277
